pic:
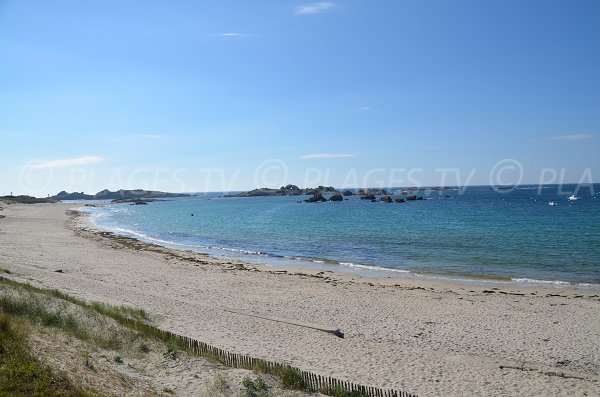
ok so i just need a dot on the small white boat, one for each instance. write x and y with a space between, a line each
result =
572 198
552 203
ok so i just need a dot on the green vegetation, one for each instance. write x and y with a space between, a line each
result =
118 313
291 378
56 315
20 373
144 348
255 388
38 306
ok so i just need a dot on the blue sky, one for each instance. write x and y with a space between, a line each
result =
213 95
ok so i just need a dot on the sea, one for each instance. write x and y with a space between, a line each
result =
474 233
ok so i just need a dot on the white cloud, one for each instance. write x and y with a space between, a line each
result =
65 162
573 137
314 8
230 34
325 156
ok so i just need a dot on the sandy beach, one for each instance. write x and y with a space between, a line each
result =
427 337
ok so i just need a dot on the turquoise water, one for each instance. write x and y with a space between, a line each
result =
475 233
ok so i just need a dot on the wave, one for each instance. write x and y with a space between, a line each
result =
535 281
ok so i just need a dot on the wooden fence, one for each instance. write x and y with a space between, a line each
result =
291 377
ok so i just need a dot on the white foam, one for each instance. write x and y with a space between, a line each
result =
373 268
535 281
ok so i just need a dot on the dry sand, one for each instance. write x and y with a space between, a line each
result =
420 336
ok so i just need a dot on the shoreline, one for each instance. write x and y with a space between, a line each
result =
427 338
343 268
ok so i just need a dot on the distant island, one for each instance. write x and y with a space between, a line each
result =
288 190
24 199
119 195
317 193
293 190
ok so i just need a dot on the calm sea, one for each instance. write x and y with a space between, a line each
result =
475 233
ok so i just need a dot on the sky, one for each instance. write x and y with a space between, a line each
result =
233 95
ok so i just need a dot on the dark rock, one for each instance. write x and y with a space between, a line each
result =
419 198
317 197
374 201
58 271
368 197
336 197
400 200
410 198
348 193
133 201
386 199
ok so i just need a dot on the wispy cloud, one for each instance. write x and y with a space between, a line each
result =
77 161
572 137
314 8
230 34
325 156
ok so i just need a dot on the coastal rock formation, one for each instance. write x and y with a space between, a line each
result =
368 197
376 192
317 197
386 199
410 198
134 201
288 190
348 193
400 200
118 195
336 197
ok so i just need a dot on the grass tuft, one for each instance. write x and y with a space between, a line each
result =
255 388
291 378
20 373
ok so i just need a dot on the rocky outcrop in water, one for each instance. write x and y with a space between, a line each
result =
336 197
288 190
316 198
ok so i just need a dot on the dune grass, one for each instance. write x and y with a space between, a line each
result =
29 304
21 374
